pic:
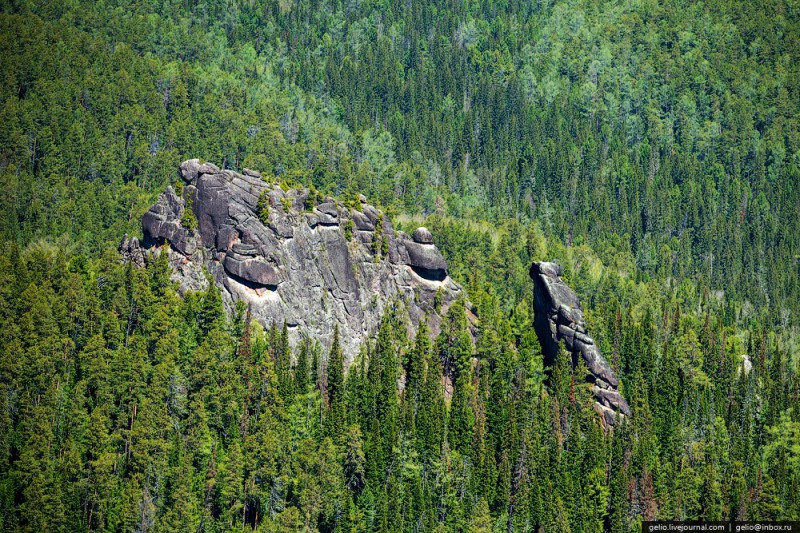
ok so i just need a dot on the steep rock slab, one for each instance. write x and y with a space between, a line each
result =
312 264
558 317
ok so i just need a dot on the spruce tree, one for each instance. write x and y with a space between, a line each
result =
301 373
283 356
335 417
455 348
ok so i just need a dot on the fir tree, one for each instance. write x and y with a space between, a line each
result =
335 417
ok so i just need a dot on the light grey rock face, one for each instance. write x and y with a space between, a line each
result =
297 266
422 236
559 317
426 260
131 251
163 223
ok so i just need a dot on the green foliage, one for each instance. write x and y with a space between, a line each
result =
314 197
649 148
118 380
335 416
349 227
188 219
262 208
301 374
379 244
350 201
438 300
657 132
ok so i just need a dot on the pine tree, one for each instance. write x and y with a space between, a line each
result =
431 418
283 368
417 360
354 460
335 417
455 347
302 369
211 312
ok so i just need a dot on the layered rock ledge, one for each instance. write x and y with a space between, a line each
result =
559 317
311 262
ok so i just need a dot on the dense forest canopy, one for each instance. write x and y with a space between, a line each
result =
664 130
650 148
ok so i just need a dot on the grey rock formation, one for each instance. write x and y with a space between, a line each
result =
163 222
297 265
422 236
426 260
559 317
132 252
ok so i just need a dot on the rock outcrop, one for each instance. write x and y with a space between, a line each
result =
559 317
292 257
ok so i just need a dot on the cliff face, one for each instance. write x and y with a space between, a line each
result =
311 262
558 316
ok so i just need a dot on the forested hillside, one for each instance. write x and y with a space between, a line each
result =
127 408
650 148
667 130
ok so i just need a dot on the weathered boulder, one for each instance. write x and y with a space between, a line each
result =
362 222
162 223
612 399
251 269
558 317
426 260
296 266
131 251
422 236
189 170
328 208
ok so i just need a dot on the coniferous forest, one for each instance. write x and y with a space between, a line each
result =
651 148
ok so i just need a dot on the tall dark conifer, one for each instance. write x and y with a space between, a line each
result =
335 418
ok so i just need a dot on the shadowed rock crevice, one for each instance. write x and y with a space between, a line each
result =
430 274
559 318
258 287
